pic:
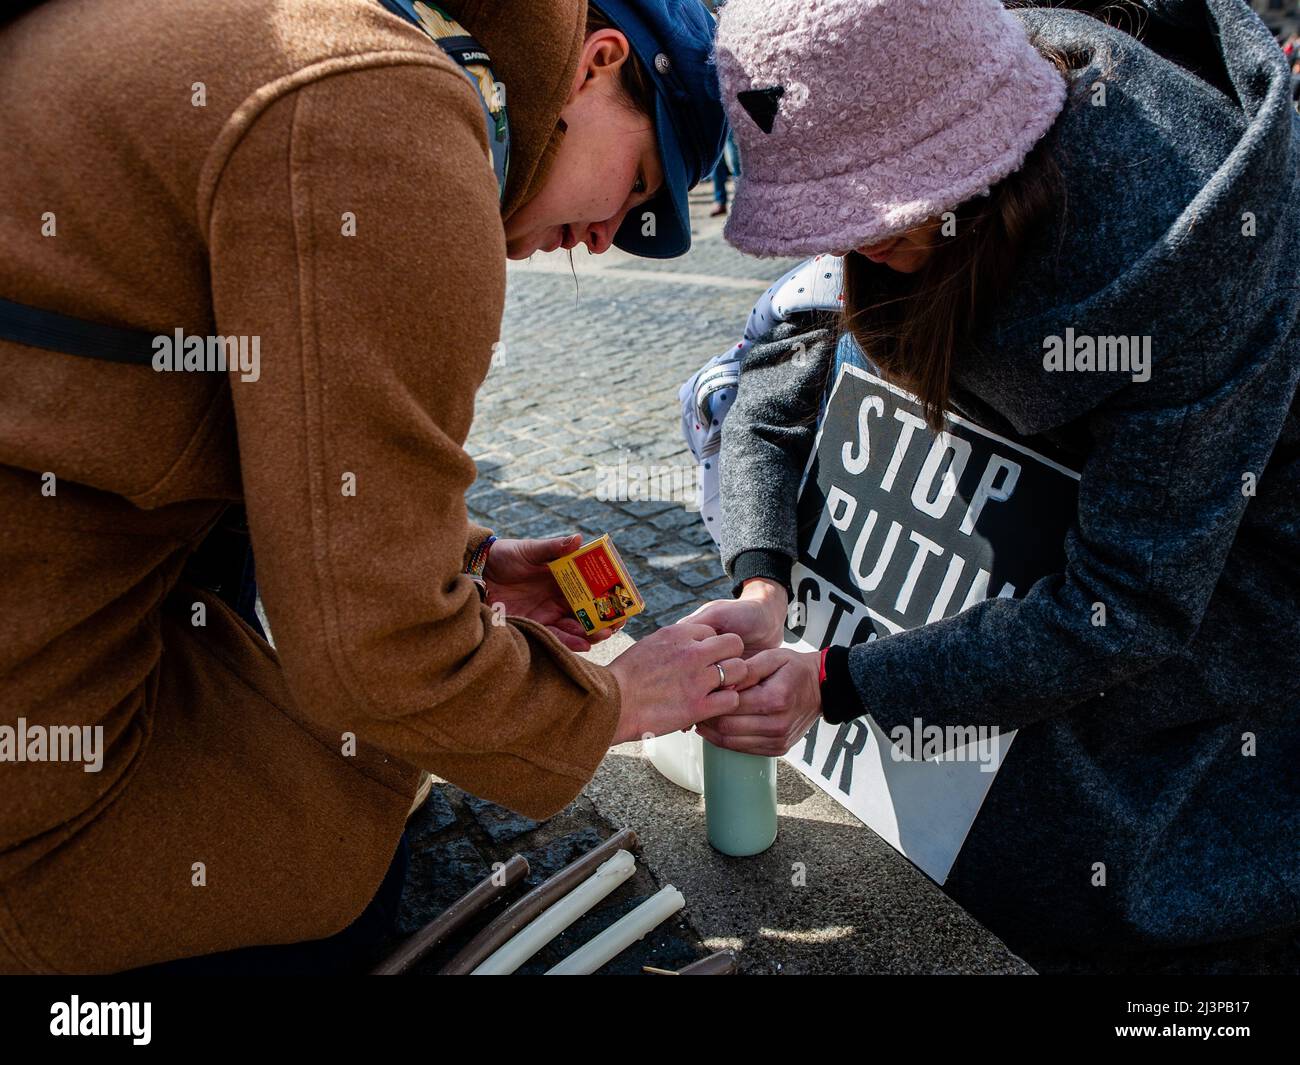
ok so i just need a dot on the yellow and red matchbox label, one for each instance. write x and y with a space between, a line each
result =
597 585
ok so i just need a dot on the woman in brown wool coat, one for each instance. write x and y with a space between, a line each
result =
316 176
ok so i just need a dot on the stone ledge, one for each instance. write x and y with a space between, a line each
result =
864 908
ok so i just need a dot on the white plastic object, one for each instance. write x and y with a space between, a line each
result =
680 757
551 922
621 934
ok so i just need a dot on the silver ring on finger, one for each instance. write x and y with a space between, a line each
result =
722 676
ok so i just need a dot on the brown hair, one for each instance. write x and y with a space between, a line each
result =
911 325
638 90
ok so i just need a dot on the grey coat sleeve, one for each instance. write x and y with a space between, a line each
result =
1160 501
766 439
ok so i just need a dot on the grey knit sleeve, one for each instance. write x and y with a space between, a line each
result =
1160 503
766 440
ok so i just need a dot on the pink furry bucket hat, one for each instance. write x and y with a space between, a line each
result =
858 119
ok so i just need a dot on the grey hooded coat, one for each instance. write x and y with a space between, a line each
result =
1164 746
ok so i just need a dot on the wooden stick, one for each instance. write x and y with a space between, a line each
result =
723 963
525 909
454 917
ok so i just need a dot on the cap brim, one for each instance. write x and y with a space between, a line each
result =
670 234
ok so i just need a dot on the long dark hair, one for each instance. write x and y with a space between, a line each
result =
910 325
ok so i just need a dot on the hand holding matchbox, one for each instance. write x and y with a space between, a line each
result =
597 585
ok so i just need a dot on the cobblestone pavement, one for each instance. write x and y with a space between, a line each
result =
586 377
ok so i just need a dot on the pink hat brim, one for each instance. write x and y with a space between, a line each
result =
960 161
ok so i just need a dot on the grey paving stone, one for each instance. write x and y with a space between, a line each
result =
569 464
668 562
500 824
438 875
432 818
697 533
701 576
520 510
676 518
528 483
543 526
635 538
664 597
648 508
547 860
610 519
486 496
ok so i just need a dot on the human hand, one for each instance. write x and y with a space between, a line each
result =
518 579
780 701
757 616
669 680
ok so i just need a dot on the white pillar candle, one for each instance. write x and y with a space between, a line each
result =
551 922
621 934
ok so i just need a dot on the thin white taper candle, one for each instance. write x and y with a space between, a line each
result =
551 922
621 934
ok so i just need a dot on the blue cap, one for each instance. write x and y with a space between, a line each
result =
673 39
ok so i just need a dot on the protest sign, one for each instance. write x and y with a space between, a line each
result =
900 527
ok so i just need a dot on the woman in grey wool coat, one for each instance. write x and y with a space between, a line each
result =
1093 183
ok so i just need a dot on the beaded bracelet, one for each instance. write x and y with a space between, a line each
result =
477 561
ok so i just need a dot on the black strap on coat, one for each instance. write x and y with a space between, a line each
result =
223 562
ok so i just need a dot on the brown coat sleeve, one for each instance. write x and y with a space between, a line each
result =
372 349
476 535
